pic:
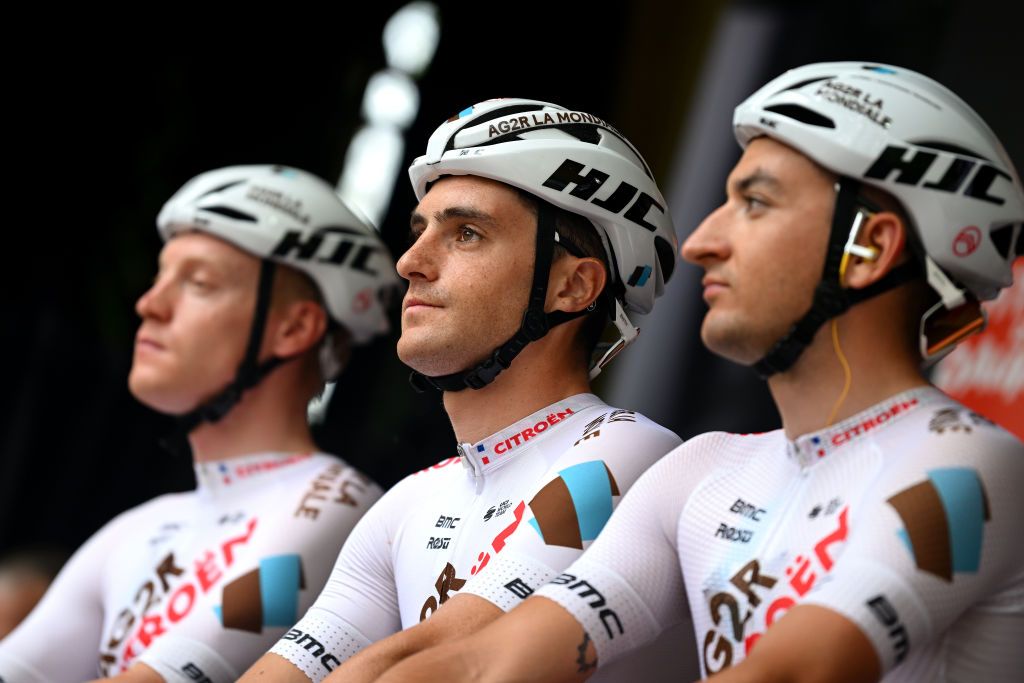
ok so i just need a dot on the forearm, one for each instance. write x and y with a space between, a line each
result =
810 644
272 667
538 642
460 617
138 673
369 664
450 663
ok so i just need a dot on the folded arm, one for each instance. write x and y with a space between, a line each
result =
810 644
459 617
538 641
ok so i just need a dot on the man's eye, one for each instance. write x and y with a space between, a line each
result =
754 203
468 234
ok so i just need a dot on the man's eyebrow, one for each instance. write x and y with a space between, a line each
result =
461 212
758 177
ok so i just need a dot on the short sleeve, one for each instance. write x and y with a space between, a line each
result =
276 578
359 603
571 504
940 538
70 614
628 586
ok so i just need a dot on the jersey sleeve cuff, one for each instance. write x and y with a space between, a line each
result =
607 608
316 646
178 659
880 603
509 580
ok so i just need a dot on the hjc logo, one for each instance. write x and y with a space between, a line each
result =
340 248
587 185
912 171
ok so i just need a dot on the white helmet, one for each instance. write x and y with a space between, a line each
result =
902 132
566 159
292 217
574 161
287 216
914 138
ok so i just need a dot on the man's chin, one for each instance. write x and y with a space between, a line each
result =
432 363
730 345
429 366
160 398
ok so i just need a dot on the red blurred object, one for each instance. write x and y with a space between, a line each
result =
986 372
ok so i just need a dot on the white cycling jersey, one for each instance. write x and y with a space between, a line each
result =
905 519
196 585
541 488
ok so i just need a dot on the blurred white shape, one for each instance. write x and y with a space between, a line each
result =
390 103
316 411
411 36
371 167
390 98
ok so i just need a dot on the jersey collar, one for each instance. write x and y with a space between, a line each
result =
232 473
508 443
810 448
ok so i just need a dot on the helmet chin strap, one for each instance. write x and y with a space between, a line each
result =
831 299
250 372
534 326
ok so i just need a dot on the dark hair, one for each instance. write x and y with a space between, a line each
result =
580 233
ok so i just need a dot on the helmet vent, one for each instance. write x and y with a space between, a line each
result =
947 147
582 131
666 257
801 114
1002 239
221 188
490 116
230 213
800 84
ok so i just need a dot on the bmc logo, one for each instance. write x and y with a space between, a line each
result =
886 613
328 245
194 673
314 647
913 169
587 185
585 591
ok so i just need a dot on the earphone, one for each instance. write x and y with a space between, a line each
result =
866 253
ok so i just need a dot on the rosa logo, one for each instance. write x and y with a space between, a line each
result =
967 241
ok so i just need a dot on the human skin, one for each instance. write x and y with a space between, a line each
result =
469 270
777 211
762 252
195 323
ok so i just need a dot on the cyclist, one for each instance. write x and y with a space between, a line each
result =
876 533
536 225
265 281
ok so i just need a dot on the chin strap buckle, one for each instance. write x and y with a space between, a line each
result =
627 335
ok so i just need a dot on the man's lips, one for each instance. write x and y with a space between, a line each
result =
417 304
713 286
143 343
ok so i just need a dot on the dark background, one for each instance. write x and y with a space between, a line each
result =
105 123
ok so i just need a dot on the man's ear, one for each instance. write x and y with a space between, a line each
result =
575 283
296 327
882 246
